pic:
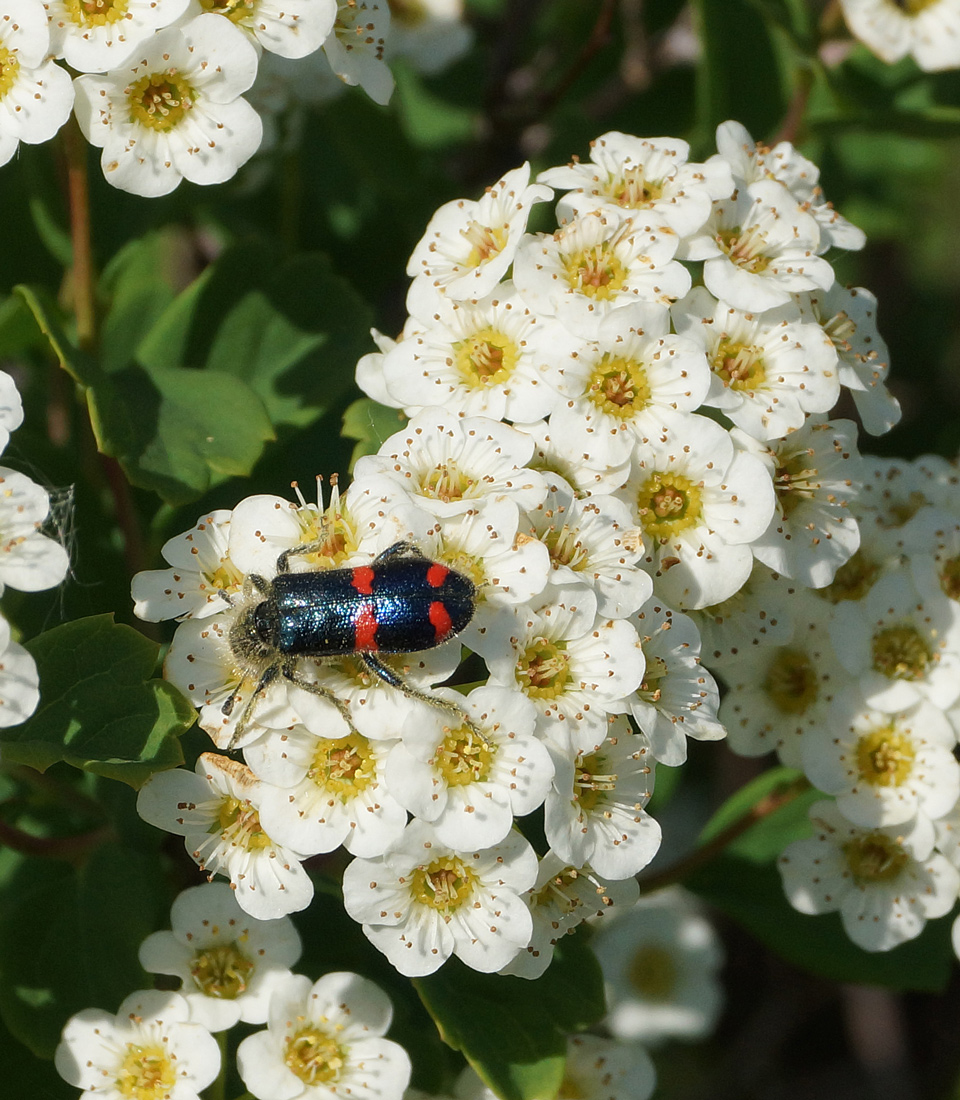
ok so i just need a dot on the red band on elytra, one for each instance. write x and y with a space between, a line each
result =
436 575
362 580
365 626
440 620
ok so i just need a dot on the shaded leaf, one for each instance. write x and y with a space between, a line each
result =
370 424
80 366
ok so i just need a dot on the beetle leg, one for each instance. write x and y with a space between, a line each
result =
384 672
269 675
324 693
399 550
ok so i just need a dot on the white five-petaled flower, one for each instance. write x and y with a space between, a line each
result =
886 882
227 961
216 811
19 680
35 93
29 561
150 1048
469 245
423 901
176 110
929 30
11 409
356 47
325 1039
289 28
103 34
641 176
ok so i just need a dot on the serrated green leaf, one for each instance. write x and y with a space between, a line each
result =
99 709
512 1031
178 431
84 952
752 895
369 424
48 316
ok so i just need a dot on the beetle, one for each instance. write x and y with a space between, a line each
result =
402 602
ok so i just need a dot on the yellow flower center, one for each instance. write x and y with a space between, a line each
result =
791 682
875 858
344 766
852 580
745 247
96 13
463 757
596 271
160 101
738 366
408 13
314 1056
544 669
795 480
223 972
446 483
333 530
147 1073
9 67
555 891
902 511
653 972
619 387
631 189
914 7
950 578
241 822
668 504
885 757
443 885
565 547
590 782
485 242
901 653
487 358
650 690
235 10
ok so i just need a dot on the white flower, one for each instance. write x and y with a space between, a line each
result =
11 409
755 161
177 113
148 1049
777 694
816 473
326 791
293 28
597 263
19 680
483 357
216 812
618 388
767 369
586 473
660 961
848 315
324 1040
592 540
700 504
29 561
430 34
35 96
355 49
573 665
678 697
202 569
929 31
759 247
470 780
227 961
903 648
562 897
885 882
469 245
102 35
595 813
448 464
884 769
424 901
629 175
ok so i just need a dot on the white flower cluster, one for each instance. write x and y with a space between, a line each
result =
325 1036
926 30
29 561
616 464
162 82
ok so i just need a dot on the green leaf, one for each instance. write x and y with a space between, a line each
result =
48 316
18 327
293 336
370 424
178 431
428 120
99 710
512 1031
83 953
